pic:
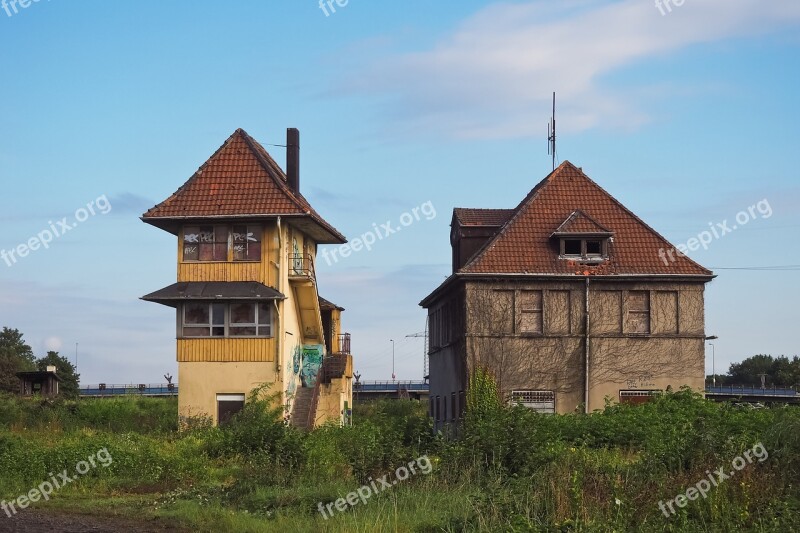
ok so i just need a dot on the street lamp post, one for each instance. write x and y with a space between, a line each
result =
713 362
393 375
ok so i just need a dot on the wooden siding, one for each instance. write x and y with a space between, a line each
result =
226 350
264 271
228 271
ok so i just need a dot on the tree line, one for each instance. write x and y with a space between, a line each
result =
777 371
17 356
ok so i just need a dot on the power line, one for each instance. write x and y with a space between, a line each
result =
776 268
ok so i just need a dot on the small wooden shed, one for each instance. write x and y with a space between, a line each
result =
41 383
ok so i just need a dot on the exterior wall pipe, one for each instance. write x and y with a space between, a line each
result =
586 348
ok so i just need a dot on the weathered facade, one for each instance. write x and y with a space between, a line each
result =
248 311
568 300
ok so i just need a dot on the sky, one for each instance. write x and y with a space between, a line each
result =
688 114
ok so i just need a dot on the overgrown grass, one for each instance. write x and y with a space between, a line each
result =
510 470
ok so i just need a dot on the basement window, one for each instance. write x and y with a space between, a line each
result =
636 397
541 401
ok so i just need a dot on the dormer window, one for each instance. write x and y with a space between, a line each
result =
581 238
584 248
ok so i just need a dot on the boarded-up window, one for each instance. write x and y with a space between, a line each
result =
491 312
246 243
453 409
638 313
558 312
606 312
665 312
530 312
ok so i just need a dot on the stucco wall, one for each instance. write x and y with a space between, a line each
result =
201 382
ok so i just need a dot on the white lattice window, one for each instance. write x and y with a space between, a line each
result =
542 401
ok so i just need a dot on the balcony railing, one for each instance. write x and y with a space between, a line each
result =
301 266
342 344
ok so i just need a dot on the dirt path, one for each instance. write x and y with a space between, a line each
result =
34 521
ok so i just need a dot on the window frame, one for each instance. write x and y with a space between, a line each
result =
535 397
257 230
648 312
584 254
227 324
527 309
229 243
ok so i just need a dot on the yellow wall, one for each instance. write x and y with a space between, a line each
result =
210 366
199 384
332 398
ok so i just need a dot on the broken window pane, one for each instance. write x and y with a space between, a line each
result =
572 247
594 248
243 314
196 314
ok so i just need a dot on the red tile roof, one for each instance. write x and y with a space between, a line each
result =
525 243
239 180
482 217
578 223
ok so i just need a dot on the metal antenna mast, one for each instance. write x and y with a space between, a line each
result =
551 134
425 356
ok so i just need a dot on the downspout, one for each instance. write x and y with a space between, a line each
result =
279 284
586 349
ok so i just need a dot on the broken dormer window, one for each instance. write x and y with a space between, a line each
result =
572 247
584 248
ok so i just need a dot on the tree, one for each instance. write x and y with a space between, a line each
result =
15 356
66 371
780 371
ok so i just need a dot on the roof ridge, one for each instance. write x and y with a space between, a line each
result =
528 197
640 221
272 167
539 188
197 172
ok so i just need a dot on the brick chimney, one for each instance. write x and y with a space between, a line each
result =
293 158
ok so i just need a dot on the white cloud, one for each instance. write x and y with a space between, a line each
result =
493 76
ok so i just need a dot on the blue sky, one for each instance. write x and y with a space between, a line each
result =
687 118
